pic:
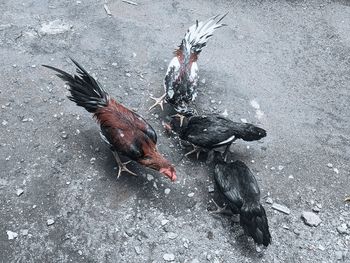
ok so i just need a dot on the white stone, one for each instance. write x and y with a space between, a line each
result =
171 235
169 257
50 222
11 235
311 219
164 222
54 27
149 177
19 191
281 208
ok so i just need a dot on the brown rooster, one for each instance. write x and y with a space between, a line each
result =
126 132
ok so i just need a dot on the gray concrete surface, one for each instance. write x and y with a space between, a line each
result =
281 64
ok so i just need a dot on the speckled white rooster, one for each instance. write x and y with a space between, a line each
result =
182 75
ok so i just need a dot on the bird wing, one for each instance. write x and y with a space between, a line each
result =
228 185
119 113
208 131
246 180
125 130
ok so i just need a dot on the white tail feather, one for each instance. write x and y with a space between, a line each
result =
198 34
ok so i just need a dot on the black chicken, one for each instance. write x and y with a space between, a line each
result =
206 132
240 192
181 78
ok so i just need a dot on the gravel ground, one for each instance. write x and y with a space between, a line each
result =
283 65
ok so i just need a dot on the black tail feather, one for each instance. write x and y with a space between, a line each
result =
254 222
85 90
249 132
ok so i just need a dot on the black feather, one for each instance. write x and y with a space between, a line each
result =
85 90
239 189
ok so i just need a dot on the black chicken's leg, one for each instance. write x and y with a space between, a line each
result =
221 210
227 149
196 150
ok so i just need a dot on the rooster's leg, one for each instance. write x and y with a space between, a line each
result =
122 166
196 150
159 101
181 117
221 210
227 149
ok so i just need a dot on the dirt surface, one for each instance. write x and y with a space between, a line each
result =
283 65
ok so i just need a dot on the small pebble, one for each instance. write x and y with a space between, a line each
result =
114 64
225 113
281 208
211 188
244 120
311 219
280 167
203 81
339 255
169 257
316 209
92 160
322 248
329 165
171 235
129 232
190 195
166 191
164 222
149 177
128 74
11 235
336 170
342 229
4 123
19 191
24 232
50 222
269 200
138 250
